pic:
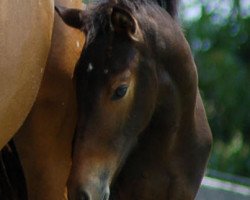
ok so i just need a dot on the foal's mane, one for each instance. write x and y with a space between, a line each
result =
98 13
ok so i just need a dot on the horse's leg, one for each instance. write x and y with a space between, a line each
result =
12 181
43 144
6 190
44 141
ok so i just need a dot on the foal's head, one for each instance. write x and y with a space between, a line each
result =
117 88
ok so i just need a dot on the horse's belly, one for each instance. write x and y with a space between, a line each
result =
25 37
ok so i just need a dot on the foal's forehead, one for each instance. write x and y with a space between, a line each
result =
108 51
110 55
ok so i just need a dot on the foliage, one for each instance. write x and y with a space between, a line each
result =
219 34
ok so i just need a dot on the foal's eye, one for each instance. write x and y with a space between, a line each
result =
120 92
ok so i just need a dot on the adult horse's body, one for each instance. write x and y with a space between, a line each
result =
44 140
25 37
142 131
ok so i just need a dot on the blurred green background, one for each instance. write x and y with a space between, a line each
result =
218 32
219 35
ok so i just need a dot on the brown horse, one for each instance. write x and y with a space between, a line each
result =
44 140
24 50
142 133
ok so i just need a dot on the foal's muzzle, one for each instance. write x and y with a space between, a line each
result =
88 191
87 195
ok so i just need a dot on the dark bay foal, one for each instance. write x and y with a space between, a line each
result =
142 132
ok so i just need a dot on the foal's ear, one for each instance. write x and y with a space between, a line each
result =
123 22
71 17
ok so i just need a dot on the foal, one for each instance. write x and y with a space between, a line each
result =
142 132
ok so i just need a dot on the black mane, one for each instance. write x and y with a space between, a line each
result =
98 13
169 5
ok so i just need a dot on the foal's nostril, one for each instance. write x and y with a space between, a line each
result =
106 196
83 196
90 192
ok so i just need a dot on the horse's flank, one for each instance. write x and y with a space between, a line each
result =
25 36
